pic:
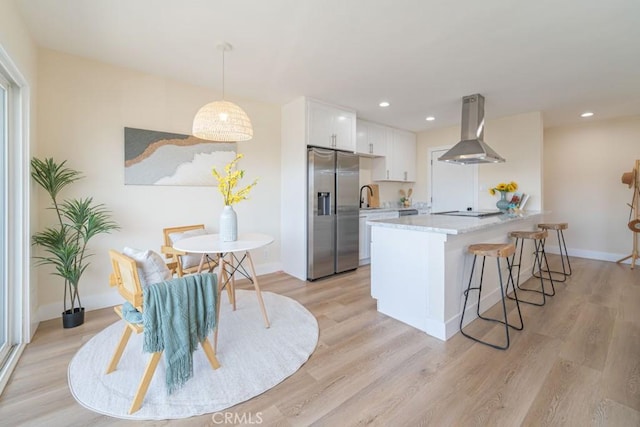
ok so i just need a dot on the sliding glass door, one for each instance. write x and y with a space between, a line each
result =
5 339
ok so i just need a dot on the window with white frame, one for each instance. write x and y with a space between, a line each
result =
15 315
5 337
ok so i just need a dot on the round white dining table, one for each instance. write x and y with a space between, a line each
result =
231 257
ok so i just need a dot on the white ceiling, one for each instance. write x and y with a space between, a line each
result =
559 57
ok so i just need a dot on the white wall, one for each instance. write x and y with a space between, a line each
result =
583 166
83 109
519 139
15 39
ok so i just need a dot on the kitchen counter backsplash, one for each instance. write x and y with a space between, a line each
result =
422 210
396 205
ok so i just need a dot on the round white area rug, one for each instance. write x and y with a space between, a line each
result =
253 359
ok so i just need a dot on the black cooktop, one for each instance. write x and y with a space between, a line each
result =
474 214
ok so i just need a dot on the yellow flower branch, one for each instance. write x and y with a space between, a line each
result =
229 181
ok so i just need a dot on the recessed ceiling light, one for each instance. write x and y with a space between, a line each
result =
384 104
586 114
430 118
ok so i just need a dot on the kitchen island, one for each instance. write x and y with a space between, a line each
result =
420 266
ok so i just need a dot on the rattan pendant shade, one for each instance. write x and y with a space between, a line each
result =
222 121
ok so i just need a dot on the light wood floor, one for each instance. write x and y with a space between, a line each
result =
577 363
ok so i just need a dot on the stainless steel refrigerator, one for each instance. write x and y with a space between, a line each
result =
333 212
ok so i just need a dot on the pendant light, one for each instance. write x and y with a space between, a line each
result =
222 121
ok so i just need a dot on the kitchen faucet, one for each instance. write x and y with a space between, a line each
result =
368 198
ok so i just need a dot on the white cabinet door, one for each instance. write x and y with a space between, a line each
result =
404 156
364 240
371 139
330 127
378 135
399 163
365 232
362 138
320 125
344 125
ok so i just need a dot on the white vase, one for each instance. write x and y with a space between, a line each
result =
228 225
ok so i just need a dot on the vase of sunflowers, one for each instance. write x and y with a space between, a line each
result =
503 188
226 185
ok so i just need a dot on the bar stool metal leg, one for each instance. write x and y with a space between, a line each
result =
505 322
540 246
538 238
564 254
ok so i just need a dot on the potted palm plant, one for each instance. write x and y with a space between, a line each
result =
65 242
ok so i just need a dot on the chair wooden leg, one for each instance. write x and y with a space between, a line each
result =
144 383
211 355
258 293
115 359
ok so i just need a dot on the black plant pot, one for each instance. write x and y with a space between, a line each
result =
73 318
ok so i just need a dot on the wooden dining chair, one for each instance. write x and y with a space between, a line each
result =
125 277
185 264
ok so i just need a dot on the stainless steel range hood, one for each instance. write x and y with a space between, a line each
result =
472 149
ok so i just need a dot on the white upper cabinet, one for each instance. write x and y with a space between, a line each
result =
371 139
330 126
399 163
404 155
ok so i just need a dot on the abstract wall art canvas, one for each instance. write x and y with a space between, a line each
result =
162 158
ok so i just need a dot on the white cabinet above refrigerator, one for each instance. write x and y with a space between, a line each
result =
330 126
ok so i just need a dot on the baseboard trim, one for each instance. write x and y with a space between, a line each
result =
109 299
597 255
90 302
452 326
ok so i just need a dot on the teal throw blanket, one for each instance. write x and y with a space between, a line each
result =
177 315
130 313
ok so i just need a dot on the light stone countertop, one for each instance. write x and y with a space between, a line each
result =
365 211
450 224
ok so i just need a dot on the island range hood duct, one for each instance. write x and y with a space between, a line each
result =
472 149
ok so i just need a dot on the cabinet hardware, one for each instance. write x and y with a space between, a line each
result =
387 173
405 176
370 148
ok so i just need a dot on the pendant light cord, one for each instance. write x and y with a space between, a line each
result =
223 74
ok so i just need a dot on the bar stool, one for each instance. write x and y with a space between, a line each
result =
538 238
562 247
496 250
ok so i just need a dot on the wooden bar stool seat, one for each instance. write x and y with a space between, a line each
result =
559 227
539 237
556 226
535 235
497 251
